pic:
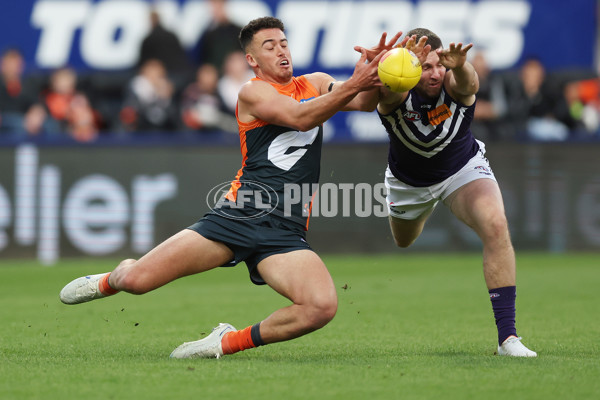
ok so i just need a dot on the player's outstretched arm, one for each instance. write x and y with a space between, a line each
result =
461 81
259 100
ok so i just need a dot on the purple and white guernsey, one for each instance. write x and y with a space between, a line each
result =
430 139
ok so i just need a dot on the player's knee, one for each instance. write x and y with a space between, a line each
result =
322 311
405 237
403 242
496 228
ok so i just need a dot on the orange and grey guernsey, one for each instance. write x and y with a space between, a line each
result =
280 165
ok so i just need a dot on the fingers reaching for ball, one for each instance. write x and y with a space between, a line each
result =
455 55
381 46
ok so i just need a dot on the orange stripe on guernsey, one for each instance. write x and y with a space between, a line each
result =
235 184
309 210
243 128
287 90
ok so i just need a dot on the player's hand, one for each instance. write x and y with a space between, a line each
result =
365 76
420 48
381 46
454 56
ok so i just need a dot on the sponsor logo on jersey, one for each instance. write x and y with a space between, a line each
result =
439 114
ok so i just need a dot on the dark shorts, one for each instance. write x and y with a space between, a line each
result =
252 240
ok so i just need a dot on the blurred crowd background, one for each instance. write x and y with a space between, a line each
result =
173 91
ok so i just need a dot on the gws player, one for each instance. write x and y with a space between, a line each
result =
280 123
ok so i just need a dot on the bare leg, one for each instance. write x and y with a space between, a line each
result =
479 205
405 232
185 253
298 275
302 277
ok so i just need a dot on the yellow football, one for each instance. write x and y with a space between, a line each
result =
399 70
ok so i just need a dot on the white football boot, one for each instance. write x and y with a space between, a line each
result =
209 347
514 348
82 289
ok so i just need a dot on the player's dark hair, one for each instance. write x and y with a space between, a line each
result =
248 32
11 50
432 39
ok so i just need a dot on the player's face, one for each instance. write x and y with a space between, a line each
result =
269 52
432 77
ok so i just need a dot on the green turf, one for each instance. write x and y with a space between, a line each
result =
409 326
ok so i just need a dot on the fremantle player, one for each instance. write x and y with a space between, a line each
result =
280 121
433 156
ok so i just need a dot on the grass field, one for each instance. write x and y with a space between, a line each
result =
408 327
